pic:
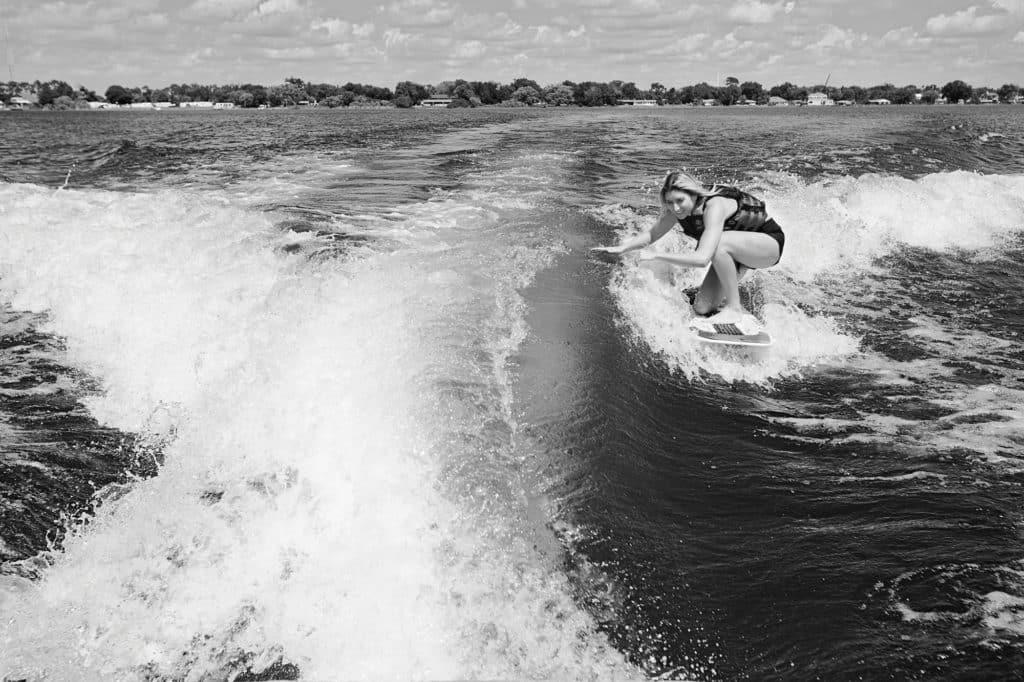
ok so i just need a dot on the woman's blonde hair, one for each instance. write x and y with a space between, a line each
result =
686 183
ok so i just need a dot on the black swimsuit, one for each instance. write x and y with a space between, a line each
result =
750 216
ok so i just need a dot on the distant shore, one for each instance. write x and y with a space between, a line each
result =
522 92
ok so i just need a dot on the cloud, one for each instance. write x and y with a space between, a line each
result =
833 36
157 21
335 28
291 53
362 30
964 22
220 9
394 37
543 32
471 49
421 12
758 12
1019 38
268 7
730 44
506 30
905 36
552 35
1011 6
645 5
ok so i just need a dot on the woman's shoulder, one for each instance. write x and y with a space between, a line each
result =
723 200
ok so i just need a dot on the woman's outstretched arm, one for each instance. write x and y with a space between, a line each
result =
715 213
652 234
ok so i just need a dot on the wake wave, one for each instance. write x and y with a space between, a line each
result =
339 487
837 230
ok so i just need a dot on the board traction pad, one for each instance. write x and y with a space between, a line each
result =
730 333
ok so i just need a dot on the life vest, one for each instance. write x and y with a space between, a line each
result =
750 215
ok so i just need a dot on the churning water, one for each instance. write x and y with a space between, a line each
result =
340 395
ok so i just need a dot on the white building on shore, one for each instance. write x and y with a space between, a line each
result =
436 102
819 99
638 102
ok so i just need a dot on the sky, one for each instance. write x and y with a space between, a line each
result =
97 43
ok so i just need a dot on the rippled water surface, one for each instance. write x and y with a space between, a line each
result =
340 395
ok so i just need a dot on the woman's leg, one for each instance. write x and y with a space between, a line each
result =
711 296
751 249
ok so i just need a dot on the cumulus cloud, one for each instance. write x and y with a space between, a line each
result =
471 49
905 36
409 6
964 22
758 12
290 53
506 30
687 46
421 12
1019 38
221 9
362 30
729 44
1011 6
543 32
268 7
152 21
646 5
335 28
833 36
394 37
548 35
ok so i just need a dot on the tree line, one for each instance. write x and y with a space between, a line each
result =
56 94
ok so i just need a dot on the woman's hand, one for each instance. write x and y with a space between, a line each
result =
608 254
613 250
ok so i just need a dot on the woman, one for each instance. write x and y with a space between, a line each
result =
733 232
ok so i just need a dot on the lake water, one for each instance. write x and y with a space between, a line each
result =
340 395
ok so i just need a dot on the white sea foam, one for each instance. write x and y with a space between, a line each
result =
999 611
338 487
848 222
896 478
1004 612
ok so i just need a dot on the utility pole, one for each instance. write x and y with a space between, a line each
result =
8 52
